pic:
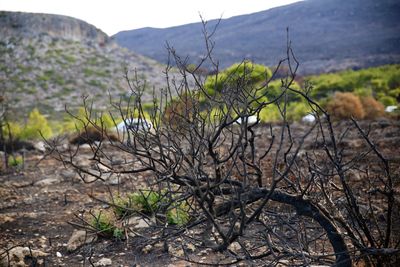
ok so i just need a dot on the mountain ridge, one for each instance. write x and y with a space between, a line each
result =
326 35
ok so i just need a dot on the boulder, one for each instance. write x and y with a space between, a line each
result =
22 256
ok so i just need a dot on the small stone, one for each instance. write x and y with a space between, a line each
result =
40 146
147 249
103 262
80 238
137 222
47 181
59 255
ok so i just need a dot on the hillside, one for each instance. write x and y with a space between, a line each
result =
326 35
47 61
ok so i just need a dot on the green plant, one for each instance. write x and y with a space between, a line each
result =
149 202
104 224
15 161
178 215
387 100
243 74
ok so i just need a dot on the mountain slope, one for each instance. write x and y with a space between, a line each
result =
325 34
47 61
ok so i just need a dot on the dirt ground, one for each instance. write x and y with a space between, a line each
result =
39 199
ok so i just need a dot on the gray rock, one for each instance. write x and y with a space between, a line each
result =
48 181
103 262
80 238
17 257
137 222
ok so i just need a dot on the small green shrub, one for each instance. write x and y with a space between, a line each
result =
178 215
36 127
150 202
147 201
15 161
104 224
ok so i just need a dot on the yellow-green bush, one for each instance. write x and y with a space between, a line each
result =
13 130
36 126
243 74
297 110
270 113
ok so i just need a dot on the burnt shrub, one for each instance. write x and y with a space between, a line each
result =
372 108
90 135
345 106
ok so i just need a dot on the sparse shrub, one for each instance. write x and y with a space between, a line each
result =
372 108
345 105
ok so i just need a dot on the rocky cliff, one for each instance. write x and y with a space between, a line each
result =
30 25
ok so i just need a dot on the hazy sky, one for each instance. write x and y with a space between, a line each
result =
113 16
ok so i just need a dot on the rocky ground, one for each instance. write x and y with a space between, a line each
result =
39 199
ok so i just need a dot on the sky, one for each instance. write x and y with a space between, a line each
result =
113 16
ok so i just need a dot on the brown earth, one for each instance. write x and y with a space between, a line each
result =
39 199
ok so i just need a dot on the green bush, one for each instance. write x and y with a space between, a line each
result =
243 74
387 100
297 110
36 126
12 129
270 113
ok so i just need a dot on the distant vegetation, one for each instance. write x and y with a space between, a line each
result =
358 93
367 91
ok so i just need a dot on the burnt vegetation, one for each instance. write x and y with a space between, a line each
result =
253 192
